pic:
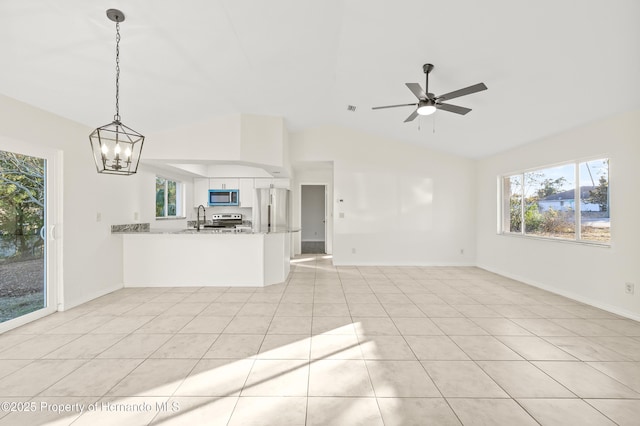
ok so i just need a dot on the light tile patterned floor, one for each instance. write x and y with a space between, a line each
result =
332 346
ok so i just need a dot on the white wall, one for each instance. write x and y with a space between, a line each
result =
92 258
262 139
592 274
143 199
312 211
240 138
217 138
401 204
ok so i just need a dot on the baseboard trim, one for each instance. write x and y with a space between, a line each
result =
65 306
574 296
417 264
183 285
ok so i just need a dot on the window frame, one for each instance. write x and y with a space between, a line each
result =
180 198
504 215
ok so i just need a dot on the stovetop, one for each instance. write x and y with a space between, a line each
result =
225 220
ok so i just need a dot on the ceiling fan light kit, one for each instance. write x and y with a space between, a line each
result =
426 108
428 103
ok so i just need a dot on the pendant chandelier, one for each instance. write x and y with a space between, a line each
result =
116 147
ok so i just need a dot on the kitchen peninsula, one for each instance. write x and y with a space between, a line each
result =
238 168
189 258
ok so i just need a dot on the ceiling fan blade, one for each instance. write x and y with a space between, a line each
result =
462 92
453 108
393 106
416 90
413 115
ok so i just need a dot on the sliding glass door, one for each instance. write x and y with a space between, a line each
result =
24 239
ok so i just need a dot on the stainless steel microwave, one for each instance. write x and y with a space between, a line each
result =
223 197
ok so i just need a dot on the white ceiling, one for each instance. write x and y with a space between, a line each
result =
550 65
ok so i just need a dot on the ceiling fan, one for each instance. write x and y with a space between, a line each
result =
428 103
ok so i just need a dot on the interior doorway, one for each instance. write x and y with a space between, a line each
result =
313 219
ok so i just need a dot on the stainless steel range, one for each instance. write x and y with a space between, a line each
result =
225 220
227 223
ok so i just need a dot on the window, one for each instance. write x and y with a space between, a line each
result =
168 198
569 202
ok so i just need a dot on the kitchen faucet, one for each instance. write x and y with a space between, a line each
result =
204 217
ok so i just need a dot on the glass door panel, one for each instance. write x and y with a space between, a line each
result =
23 248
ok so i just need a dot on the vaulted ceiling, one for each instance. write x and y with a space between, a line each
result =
549 65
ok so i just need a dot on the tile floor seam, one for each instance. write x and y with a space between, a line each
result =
235 405
546 339
69 373
396 281
58 347
175 333
543 372
595 342
586 400
105 349
526 411
611 377
306 405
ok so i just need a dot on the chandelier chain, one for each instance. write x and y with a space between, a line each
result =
117 116
116 147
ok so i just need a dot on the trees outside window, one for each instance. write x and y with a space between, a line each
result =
22 244
22 193
563 202
168 198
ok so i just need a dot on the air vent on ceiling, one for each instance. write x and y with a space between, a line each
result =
351 108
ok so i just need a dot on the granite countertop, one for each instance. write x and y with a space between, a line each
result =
182 231
145 229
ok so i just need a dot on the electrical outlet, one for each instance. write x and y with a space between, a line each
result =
353 251
98 217
136 216
629 288
461 251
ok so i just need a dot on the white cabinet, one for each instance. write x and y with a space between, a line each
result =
200 192
246 192
277 183
223 183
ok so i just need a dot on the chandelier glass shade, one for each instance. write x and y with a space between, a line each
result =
116 147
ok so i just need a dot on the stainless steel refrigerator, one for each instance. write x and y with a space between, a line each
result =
273 209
